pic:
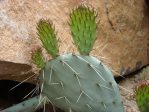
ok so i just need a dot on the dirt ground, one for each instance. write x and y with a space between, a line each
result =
127 89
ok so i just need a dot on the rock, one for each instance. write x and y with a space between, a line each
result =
122 41
16 72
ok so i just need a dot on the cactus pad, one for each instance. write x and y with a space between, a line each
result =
77 83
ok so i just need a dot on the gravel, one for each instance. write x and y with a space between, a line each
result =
127 88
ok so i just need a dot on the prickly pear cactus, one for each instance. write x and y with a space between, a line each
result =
142 96
74 82
78 82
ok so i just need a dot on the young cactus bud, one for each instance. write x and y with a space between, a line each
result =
38 58
47 36
83 28
142 96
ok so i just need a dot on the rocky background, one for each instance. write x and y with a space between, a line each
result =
122 40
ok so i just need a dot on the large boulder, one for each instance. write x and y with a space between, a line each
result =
122 42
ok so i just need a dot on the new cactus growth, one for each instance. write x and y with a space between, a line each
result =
142 96
47 35
77 82
38 58
83 28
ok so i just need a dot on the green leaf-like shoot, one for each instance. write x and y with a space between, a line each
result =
38 59
47 35
83 28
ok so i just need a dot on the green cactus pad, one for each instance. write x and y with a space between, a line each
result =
38 58
142 97
77 83
83 28
47 35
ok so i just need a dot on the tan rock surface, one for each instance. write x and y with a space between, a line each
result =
122 34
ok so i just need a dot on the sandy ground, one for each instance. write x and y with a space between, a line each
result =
127 89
